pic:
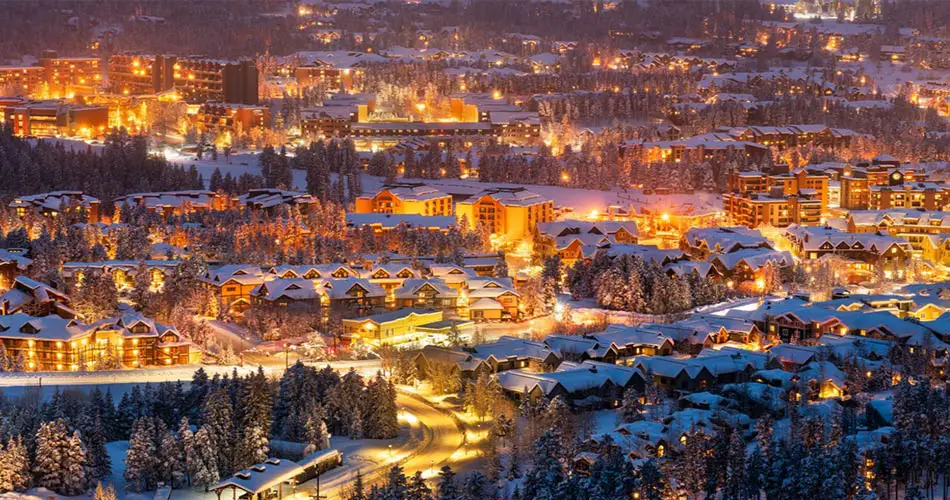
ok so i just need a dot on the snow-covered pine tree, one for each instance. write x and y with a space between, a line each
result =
52 452
16 472
204 471
255 445
74 466
172 456
104 492
141 460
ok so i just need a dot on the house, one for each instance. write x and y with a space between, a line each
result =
276 478
384 222
56 203
469 367
633 341
509 353
232 285
567 238
12 264
426 292
576 348
173 203
270 199
312 271
587 384
491 299
354 296
301 293
389 276
750 264
140 341
699 243
122 272
39 299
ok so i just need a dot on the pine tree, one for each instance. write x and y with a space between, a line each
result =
447 488
104 492
74 466
255 445
172 455
418 489
632 409
651 482
203 469
14 466
217 415
59 459
141 459
542 480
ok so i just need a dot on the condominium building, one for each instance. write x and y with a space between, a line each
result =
54 203
755 210
196 79
512 213
406 198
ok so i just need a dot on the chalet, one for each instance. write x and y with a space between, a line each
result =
750 264
276 478
232 285
587 384
12 264
300 293
354 296
141 341
633 341
122 272
58 203
389 276
576 348
312 272
469 367
269 199
491 299
568 238
37 298
699 243
509 353
426 292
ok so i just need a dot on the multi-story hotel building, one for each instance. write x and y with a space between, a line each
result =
914 195
406 198
21 80
802 181
198 80
52 343
71 75
753 210
513 213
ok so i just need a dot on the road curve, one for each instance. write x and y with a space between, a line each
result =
442 438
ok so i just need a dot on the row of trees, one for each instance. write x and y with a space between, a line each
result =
627 283
122 166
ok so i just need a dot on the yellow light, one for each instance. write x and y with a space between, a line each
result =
136 63
760 284
496 94
421 106
665 217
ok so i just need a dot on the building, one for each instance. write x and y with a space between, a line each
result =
390 328
56 203
866 253
801 181
406 198
21 80
34 298
174 203
232 285
122 272
197 80
270 199
910 195
573 240
510 213
69 76
384 222
52 343
12 264
229 117
776 210
53 119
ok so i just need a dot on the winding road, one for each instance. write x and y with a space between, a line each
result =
442 438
